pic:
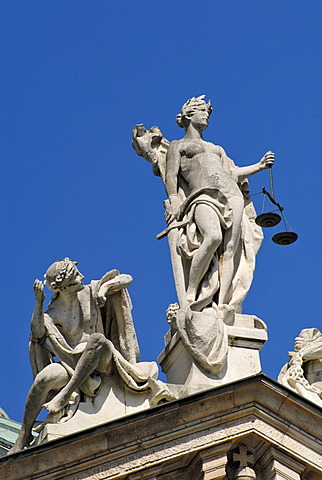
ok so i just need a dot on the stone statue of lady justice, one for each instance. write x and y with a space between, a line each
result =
212 234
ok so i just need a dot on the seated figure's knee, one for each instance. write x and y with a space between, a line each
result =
41 380
96 339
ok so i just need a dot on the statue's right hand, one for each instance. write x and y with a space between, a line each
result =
172 211
39 291
268 160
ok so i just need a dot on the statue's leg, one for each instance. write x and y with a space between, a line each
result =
52 377
96 356
208 224
231 243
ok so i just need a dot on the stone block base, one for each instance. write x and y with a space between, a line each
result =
113 401
246 337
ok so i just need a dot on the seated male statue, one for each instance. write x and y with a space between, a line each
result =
86 333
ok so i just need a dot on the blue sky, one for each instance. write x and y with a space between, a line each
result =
77 76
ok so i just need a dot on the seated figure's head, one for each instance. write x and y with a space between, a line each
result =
64 275
193 105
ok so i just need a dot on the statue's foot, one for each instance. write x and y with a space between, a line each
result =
56 404
191 297
22 442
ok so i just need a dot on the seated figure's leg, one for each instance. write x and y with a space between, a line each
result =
209 227
230 245
52 377
96 356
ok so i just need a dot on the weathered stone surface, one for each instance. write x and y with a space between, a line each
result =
245 337
198 434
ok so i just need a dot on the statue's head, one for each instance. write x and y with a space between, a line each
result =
64 275
194 106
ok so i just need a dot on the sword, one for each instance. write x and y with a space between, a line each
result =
172 232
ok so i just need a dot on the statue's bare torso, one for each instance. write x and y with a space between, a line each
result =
201 167
69 320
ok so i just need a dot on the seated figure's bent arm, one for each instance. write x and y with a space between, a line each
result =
112 286
37 321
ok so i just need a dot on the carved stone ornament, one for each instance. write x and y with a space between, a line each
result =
303 372
245 458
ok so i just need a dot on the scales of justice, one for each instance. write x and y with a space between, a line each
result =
271 219
83 348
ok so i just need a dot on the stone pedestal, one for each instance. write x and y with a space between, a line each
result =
246 337
113 401
211 435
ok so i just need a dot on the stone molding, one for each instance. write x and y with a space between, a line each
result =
246 336
255 410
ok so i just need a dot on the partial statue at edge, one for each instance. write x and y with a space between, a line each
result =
303 373
212 234
86 335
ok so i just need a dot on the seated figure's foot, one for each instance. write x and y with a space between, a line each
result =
22 442
162 396
57 403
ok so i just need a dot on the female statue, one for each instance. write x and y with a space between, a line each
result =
209 206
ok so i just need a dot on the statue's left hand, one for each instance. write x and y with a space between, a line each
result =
268 160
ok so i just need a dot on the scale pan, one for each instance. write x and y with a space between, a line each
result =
267 220
285 238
